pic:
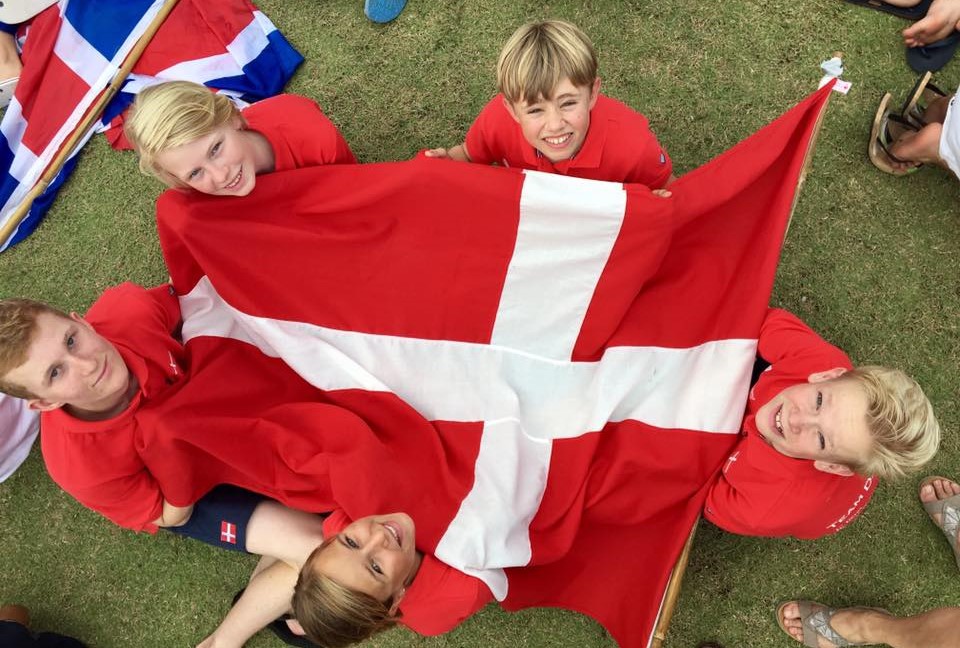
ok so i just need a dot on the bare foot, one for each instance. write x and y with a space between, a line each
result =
851 624
941 19
937 489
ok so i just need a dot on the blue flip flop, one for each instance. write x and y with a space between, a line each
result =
383 11
934 56
910 13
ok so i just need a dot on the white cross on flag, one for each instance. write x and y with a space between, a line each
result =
544 371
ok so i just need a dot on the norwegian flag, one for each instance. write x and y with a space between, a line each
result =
72 50
228 532
545 372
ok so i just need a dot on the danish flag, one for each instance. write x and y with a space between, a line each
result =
545 372
228 532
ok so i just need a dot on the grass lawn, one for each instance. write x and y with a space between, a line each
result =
871 261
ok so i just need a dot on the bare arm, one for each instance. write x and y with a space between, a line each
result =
173 516
285 538
267 597
458 153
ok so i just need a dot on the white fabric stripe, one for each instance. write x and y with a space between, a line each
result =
567 228
505 496
137 82
14 127
459 381
245 48
80 56
264 21
526 401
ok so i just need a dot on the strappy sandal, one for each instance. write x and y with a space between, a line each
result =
949 512
887 128
815 620
922 95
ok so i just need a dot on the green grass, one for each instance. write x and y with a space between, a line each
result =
871 261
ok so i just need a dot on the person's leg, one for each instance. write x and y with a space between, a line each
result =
936 112
10 65
933 629
919 146
15 613
942 18
941 499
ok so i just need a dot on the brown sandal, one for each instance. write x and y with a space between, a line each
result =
887 128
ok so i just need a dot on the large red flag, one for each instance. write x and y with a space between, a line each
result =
545 372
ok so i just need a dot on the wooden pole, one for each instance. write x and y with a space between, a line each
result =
672 594
807 159
92 115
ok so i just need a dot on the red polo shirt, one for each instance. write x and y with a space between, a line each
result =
97 461
440 597
764 493
298 131
619 146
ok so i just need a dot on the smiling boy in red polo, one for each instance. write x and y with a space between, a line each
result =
816 435
551 117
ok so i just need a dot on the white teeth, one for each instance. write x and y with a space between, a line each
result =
556 141
233 183
778 422
393 532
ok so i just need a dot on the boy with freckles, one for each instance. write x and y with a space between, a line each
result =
551 117
816 435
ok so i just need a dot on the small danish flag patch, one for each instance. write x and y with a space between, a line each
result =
228 532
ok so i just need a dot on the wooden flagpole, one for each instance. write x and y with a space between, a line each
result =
672 595
92 114
808 157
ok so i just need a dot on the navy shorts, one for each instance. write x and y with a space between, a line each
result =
10 29
220 518
14 635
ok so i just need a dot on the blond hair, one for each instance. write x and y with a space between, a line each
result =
171 114
901 421
539 56
18 321
333 615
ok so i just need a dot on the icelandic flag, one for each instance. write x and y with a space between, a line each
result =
545 372
72 51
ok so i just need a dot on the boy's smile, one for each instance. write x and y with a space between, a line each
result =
375 555
69 364
557 127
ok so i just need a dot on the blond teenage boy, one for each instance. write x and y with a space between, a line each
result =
550 115
88 376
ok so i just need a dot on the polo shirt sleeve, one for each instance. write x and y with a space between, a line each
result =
103 472
652 165
166 305
484 139
132 501
443 599
302 136
741 500
784 336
